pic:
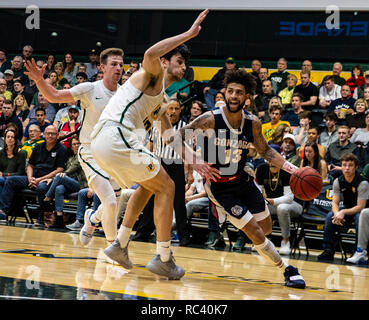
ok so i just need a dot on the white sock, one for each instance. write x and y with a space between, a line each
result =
163 249
123 235
95 218
269 252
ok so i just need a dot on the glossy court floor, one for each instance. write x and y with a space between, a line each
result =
42 264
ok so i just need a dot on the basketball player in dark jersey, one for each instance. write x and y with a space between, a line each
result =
228 131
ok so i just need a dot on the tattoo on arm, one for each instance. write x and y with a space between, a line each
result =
262 146
201 123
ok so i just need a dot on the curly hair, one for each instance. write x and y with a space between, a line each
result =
242 77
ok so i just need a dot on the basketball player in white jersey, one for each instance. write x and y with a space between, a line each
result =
118 147
94 96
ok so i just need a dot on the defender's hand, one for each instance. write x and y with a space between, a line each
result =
34 72
196 27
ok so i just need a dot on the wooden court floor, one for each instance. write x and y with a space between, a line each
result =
42 264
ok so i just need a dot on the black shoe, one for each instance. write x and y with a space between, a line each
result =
184 242
326 255
58 223
140 237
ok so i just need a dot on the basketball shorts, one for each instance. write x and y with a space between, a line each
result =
122 155
91 168
238 200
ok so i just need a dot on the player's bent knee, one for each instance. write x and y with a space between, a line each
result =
254 232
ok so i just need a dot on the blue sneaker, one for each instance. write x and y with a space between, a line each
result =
293 279
2 215
174 237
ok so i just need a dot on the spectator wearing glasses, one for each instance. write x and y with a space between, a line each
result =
4 89
262 75
34 139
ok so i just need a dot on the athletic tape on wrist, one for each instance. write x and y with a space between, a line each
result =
289 167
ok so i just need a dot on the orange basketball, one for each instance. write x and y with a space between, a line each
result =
306 183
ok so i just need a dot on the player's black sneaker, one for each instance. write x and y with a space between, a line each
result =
293 279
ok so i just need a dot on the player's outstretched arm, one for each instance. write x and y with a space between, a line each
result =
178 142
268 153
51 94
151 62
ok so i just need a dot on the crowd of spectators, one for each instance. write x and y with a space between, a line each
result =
309 123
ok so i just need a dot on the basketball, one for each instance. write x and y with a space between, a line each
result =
306 183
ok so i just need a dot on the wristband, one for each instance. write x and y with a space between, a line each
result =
289 167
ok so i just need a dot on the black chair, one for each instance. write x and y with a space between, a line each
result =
302 221
316 221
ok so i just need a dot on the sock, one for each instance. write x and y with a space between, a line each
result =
95 218
163 249
268 251
123 235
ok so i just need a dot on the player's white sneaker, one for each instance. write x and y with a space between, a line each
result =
88 229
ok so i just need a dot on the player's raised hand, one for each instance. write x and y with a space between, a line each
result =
34 72
196 26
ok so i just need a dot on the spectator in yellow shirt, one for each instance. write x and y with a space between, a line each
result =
286 93
275 113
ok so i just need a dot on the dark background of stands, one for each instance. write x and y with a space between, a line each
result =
243 35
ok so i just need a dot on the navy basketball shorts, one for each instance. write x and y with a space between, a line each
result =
238 200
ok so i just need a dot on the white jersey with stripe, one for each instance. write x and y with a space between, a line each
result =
133 109
94 97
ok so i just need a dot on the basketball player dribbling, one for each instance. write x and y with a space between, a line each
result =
118 147
94 96
235 195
